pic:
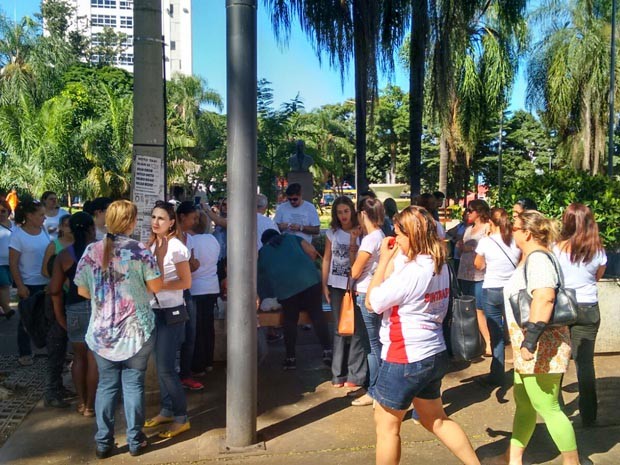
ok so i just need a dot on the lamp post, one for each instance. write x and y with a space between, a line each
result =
612 89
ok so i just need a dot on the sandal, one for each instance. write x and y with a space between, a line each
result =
88 412
172 433
80 409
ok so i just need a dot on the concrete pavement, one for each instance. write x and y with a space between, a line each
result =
304 420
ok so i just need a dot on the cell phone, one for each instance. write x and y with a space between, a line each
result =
391 242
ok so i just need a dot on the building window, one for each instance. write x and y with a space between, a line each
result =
125 59
173 45
126 4
127 41
126 22
103 20
103 3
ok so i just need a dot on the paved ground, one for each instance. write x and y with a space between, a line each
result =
303 420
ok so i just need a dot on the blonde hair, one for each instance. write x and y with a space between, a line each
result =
545 231
119 218
420 228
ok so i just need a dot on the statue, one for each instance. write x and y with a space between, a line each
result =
299 161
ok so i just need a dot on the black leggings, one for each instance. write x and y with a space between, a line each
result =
205 332
310 300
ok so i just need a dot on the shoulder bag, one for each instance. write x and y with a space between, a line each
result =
173 315
460 327
346 322
565 308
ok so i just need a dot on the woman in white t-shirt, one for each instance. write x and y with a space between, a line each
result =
499 256
53 213
6 227
205 289
411 290
349 365
583 261
371 216
177 278
26 251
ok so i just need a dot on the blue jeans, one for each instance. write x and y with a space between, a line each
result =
373 325
494 311
172 396
187 348
130 375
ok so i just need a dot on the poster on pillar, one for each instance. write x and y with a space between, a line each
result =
147 186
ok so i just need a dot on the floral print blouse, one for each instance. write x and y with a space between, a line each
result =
553 351
121 320
467 270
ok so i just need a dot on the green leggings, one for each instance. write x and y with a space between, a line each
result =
539 394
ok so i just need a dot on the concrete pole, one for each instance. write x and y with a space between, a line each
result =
241 317
148 178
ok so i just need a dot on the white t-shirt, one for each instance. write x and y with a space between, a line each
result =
263 223
51 223
206 251
32 249
414 302
177 253
5 237
371 243
496 253
581 276
304 215
340 265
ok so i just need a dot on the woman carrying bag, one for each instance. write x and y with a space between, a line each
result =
541 353
498 255
583 261
349 364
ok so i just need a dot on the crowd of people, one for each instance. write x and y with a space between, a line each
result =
117 300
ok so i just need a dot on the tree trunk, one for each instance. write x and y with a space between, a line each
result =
360 45
444 156
417 57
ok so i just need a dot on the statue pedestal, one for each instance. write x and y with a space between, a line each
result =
305 179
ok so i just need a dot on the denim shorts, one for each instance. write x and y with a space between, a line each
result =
5 276
78 316
399 383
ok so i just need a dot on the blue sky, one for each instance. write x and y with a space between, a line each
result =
292 69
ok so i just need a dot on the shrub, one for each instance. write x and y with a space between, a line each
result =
553 192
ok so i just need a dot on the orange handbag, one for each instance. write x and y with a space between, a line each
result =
346 323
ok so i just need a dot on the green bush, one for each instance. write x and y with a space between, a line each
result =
553 192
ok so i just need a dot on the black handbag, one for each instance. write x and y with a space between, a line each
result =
463 339
173 315
565 308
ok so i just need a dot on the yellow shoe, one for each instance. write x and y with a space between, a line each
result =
152 423
172 433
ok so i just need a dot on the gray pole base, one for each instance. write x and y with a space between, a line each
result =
257 448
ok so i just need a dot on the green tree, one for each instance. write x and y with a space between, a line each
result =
568 77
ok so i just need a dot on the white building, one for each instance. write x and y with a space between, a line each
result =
93 15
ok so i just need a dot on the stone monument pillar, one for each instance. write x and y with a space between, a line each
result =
299 163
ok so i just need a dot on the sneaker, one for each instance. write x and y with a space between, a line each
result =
25 360
306 327
415 417
327 357
192 384
289 364
273 338
55 402
103 453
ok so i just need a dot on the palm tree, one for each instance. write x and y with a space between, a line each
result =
568 77
368 30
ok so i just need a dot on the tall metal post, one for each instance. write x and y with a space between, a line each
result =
242 148
148 180
612 91
499 155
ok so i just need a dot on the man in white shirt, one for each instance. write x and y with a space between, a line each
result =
297 216
263 223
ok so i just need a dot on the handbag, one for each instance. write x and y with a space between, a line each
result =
346 322
463 339
173 315
565 308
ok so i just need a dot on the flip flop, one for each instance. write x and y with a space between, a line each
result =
152 423
172 433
